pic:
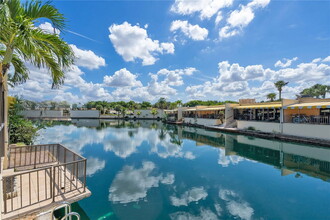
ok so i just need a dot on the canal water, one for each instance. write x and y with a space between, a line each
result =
149 170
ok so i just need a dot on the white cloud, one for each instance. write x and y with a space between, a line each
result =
218 18
194 32
94 165
327 59
205 8
174 77
132 42
123 145
235 81
132 184
240 18
205 214
160 88
225 161
87 58
122 78
48 27
227 32
193 195
287 62
234 72
236 205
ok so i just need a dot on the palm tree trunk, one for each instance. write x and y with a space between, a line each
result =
4 114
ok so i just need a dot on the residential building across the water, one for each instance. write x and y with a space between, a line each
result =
304 117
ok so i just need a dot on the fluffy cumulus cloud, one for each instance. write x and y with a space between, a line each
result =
240 18
122 78
235 81
193 195
287 62
48 27
225 161
161 84
218 18
132 184
94 165
204 214
205 8
194 32
132 42
236 206
174 77
87 58
38 86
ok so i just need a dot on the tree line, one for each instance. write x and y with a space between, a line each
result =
315 91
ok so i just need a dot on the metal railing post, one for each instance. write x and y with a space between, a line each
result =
85 169
53 182
35 157
4 194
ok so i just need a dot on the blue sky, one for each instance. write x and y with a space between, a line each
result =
201 49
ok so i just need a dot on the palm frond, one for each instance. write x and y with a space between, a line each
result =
35 9
21 72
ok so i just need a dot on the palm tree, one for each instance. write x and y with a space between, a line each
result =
271 96
279 85
154 112
179 103
321 90
316 91
21 40
118 109
138 113
161 103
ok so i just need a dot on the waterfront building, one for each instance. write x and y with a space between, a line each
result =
304 117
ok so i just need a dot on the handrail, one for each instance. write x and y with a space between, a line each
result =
37 145
55 164
71 151
17 173
71 214
63 204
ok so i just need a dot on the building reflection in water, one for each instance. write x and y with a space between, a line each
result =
289 158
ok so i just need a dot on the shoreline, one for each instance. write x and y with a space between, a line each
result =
264 135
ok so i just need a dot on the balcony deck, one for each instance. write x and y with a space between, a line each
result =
40 177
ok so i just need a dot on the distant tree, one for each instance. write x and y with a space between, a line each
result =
279 85
178 103
145 105
317 91
321 90
90 105
100 108
154 112
118 109
131 105
161 103
308 92
271 96
54 105
138 113
74 106
123 111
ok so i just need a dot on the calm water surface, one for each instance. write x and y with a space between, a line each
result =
147 170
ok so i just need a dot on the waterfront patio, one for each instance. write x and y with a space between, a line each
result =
308 113
39 177
258 112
